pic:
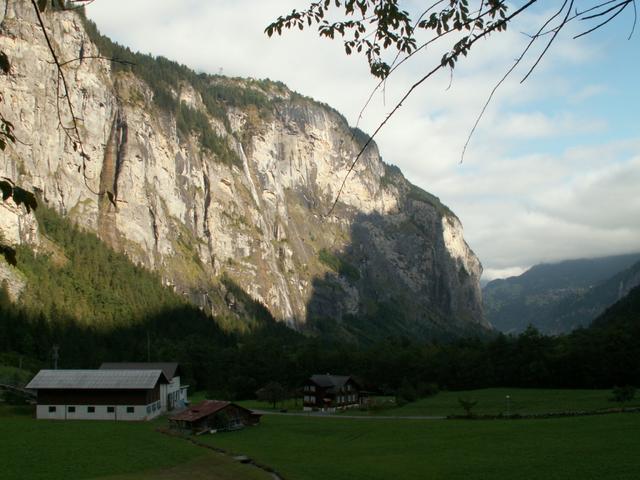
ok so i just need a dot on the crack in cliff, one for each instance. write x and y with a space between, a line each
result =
154 229
205 221
114 156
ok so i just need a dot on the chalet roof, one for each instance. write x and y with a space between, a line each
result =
169 368
335 381
204 409
97 379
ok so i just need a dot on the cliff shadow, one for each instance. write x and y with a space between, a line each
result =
397 277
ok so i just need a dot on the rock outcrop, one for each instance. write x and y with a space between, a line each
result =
246 194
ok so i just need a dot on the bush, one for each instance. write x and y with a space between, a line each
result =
427 389
406 393
623 394
467 404
338 265
12 397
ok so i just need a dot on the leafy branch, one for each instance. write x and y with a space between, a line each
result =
373 27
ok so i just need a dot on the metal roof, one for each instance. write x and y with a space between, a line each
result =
204 409
97 379
201 410
330 380
169 368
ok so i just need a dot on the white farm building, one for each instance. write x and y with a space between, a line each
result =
130 392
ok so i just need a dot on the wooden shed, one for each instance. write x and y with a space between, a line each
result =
214 415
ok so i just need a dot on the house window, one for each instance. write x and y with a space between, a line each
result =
130 409
153 407
148 409
91 409
312 388
52 409
71 409
111 409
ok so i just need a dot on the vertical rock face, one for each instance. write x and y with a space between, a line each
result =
388 258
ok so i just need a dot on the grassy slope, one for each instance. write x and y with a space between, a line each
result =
310 448
39 449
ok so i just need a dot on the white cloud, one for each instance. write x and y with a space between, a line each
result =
494 273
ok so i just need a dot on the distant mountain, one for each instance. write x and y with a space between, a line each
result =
557 298
624 314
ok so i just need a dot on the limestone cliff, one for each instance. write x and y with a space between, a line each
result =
235 177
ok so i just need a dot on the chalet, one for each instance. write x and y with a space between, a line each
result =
330 392
214 415
173 396
98 394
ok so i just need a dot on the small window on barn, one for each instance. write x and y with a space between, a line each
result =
111 409
52 409
91 409
130 409
71 409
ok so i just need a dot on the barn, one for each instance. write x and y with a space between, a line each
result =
173 395
98 394
214 415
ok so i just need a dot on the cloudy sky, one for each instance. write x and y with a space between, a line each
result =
553 170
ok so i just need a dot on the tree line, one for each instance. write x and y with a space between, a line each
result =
97 306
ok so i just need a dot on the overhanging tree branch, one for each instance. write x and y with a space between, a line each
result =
391 28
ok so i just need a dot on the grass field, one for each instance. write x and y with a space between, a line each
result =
209 466
41 449
313 448
317 448
493 401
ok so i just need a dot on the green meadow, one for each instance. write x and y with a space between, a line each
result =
317 448
490 401
43 449
304 447
522 401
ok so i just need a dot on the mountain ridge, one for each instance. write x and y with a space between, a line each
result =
557 298
212 176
